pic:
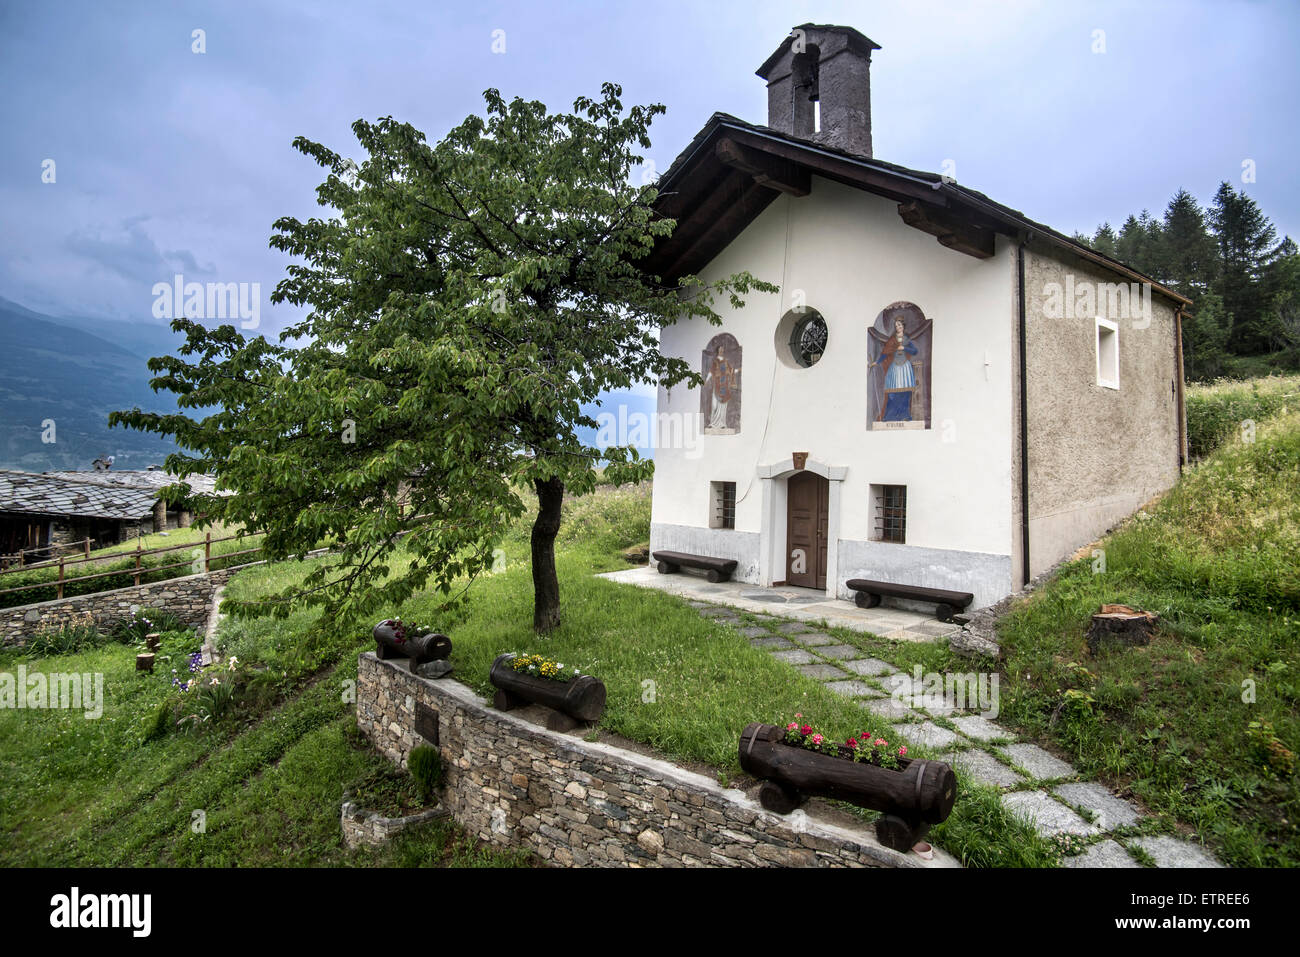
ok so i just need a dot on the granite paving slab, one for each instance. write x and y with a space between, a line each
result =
888 708
771 643
929 734
870 666
1109 811
822 671
1105 854
795 656
981 729
1168 851
838 652
1049 816
754 631
853 689
810 639
795 627
987 769
717 611
1038 762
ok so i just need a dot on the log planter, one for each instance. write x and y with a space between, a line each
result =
581 699
914 797
417 649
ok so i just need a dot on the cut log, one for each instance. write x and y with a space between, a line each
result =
417 649
582 698
1119 626
917 795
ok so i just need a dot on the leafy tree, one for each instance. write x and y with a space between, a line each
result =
1245 238
466 299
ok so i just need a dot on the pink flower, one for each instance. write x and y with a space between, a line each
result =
791 726
852 742
806 729
902 751
817 739
797 715
881 742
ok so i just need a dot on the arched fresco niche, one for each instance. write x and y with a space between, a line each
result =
720 394
899 368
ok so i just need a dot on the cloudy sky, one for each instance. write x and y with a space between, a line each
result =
167 160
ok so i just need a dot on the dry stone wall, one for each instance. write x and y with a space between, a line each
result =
187 598
575 802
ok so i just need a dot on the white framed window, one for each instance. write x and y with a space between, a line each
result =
1107 353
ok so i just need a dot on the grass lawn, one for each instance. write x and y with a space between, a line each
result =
269 778
1201 726
1215 559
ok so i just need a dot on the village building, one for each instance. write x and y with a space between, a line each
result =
944 393
41 510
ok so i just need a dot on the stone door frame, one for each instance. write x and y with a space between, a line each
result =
772 532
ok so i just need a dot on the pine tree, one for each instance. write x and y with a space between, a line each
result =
1139 242
1246 240
1104 240
1188 255
1205 338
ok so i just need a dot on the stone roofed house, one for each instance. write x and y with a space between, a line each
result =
977 394
152 480
41 510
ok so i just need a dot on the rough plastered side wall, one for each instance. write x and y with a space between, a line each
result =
583 803
1096 454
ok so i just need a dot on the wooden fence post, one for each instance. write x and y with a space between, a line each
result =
60 576
87 546
207 554
137 559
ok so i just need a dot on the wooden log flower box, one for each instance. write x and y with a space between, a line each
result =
395 638
911 796
581 697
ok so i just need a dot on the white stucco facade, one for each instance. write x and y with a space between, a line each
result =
847 254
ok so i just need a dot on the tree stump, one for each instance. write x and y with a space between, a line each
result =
144 662
1120 626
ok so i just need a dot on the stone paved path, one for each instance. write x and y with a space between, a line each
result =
1035 785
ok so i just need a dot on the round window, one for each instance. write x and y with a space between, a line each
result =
801 338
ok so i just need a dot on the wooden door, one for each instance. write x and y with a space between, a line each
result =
807 509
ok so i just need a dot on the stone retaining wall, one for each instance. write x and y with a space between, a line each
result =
188 598
577 802
371 828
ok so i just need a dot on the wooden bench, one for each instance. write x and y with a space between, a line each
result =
948 603
719 569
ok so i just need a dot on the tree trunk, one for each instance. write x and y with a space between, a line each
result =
546 586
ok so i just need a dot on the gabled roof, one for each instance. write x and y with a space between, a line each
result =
732 170
33 494
148 479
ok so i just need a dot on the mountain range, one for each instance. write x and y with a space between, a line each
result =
59 379
74 371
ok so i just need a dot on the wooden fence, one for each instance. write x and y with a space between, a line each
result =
139 554
44 551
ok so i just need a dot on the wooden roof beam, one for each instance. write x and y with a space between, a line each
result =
769 171
964 237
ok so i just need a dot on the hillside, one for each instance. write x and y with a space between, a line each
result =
1200 725
64 370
